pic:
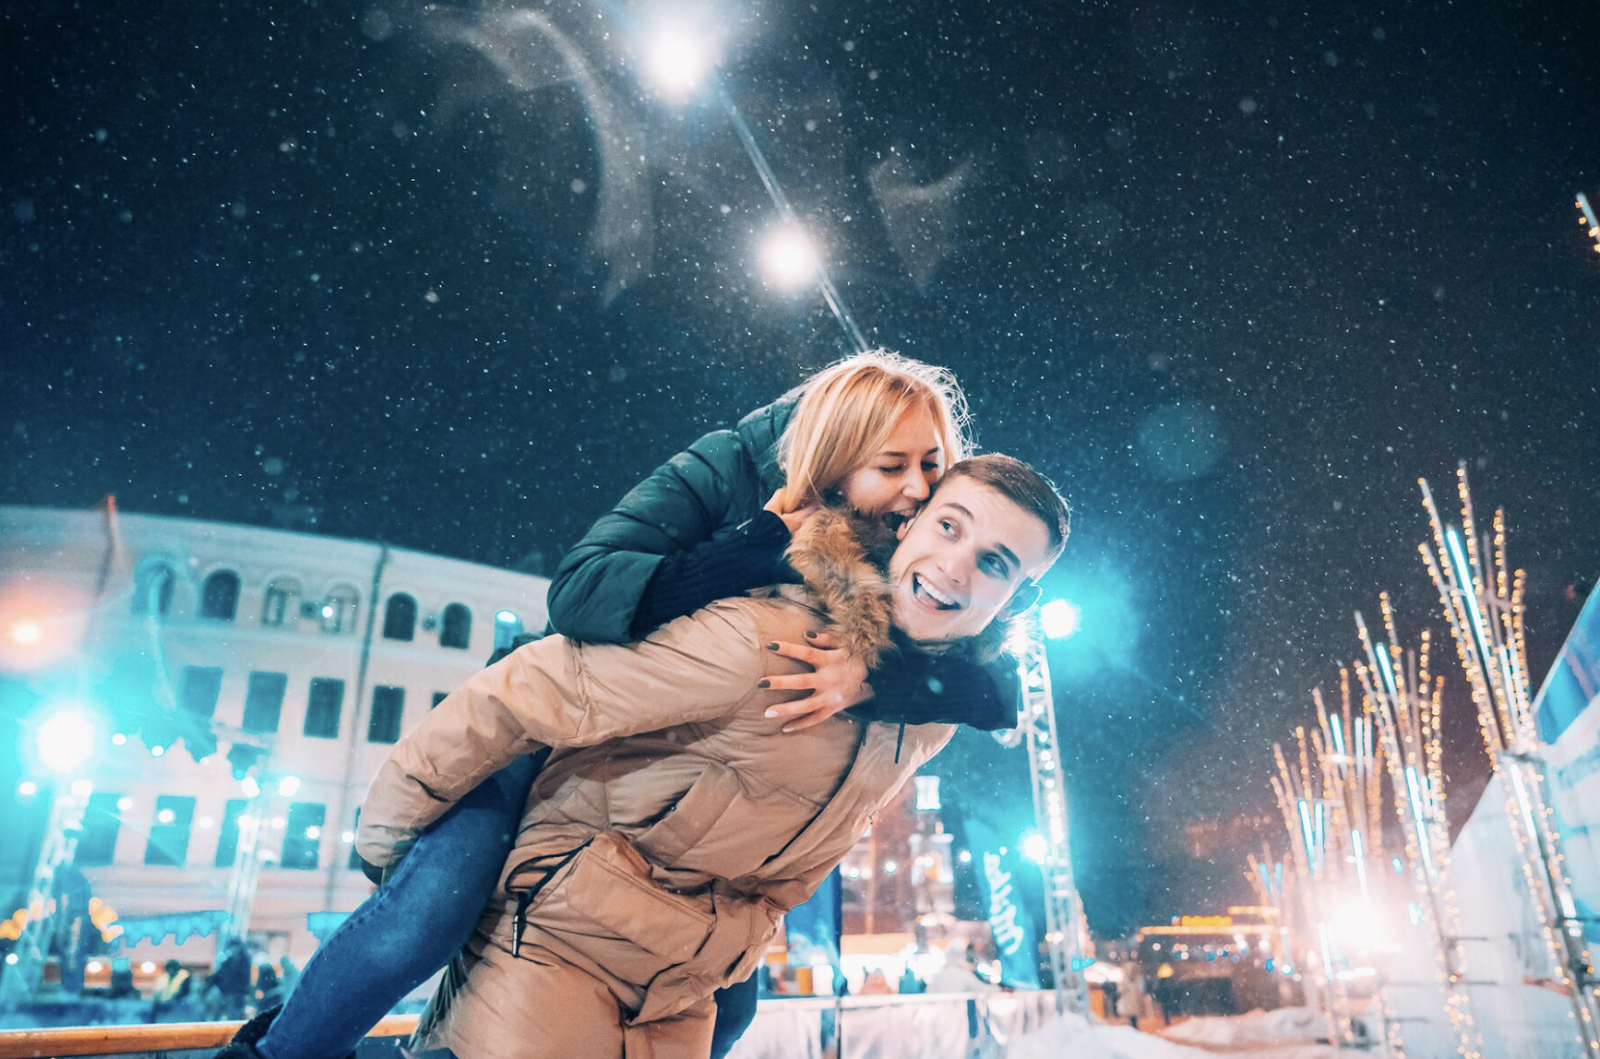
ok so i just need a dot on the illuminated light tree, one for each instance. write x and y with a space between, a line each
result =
1482 599
1587 220
1404 697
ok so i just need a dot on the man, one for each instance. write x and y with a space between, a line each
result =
668 833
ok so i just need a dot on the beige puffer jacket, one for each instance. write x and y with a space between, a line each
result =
670 829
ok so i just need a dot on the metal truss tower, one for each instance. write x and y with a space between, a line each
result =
1064 931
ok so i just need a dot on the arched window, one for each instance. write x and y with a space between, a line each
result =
507 627
219 598
457 628
338 613
152 588
400 617
281 605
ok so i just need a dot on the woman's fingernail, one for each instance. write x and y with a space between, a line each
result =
772 647
764 684
811 636
772 713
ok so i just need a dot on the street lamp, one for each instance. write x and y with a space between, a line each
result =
65 739
789 258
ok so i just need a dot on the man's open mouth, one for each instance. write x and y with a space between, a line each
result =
923 590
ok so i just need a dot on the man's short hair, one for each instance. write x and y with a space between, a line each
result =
1023 486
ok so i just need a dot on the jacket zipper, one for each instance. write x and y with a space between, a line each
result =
519 922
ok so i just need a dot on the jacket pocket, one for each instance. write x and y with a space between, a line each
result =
604 906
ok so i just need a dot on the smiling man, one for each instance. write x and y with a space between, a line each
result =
670 829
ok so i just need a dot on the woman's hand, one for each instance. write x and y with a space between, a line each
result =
793 519
838 681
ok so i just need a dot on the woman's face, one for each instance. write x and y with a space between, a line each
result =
897 479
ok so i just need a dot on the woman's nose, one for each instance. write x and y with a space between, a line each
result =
917 486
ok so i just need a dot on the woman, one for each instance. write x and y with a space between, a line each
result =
872 432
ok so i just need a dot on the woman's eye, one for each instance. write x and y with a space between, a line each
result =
896 469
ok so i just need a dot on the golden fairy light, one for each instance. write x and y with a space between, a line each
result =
1587 220
1483 602
1402 696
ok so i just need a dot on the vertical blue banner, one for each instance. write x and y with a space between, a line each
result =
1012 923
813 927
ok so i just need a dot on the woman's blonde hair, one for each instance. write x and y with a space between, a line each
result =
846 413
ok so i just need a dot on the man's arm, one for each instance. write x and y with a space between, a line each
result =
560 693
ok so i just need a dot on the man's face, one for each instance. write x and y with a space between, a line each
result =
960 561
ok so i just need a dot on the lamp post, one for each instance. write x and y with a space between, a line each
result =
63 742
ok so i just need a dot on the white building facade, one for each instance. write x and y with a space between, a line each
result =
310 655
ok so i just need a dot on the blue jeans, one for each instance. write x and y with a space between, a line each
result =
417 921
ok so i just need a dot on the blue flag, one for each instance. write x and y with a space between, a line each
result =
813 927
1015 940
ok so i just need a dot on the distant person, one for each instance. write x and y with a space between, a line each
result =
269 991
288 974
910 983
171 994
229 985
876 983
874 432
121 986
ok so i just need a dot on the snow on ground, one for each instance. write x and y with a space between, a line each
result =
1287 1034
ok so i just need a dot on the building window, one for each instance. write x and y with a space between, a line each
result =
388 704
302 836
338 613
228 833
322 710
507 627
219 597
438 697
198 689
102 820
400 617
263 702
456 631
152 589
169 835
281 605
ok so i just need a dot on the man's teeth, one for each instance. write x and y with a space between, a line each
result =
944 601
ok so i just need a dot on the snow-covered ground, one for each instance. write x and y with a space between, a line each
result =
1290 1033
1022 1026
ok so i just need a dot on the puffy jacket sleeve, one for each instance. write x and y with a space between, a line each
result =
710 486
559 693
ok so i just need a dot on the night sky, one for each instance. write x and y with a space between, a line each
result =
1234 275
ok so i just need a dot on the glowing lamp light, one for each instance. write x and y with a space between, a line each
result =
890 867
119 739
789 258
65 740
288 785
1060 618
148 967
157 750
27 789
506 617
675 63
166 816
250 787
1034 847
25 633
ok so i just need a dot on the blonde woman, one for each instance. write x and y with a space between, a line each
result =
872 433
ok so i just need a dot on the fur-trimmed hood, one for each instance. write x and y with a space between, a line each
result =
841 558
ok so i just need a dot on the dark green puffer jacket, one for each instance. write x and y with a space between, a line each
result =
716 484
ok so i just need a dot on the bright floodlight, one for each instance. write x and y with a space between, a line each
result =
65 740
789 258
288 785
1060 618
26 633
675 63
1034 847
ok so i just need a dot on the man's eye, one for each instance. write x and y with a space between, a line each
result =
996 565
948 526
